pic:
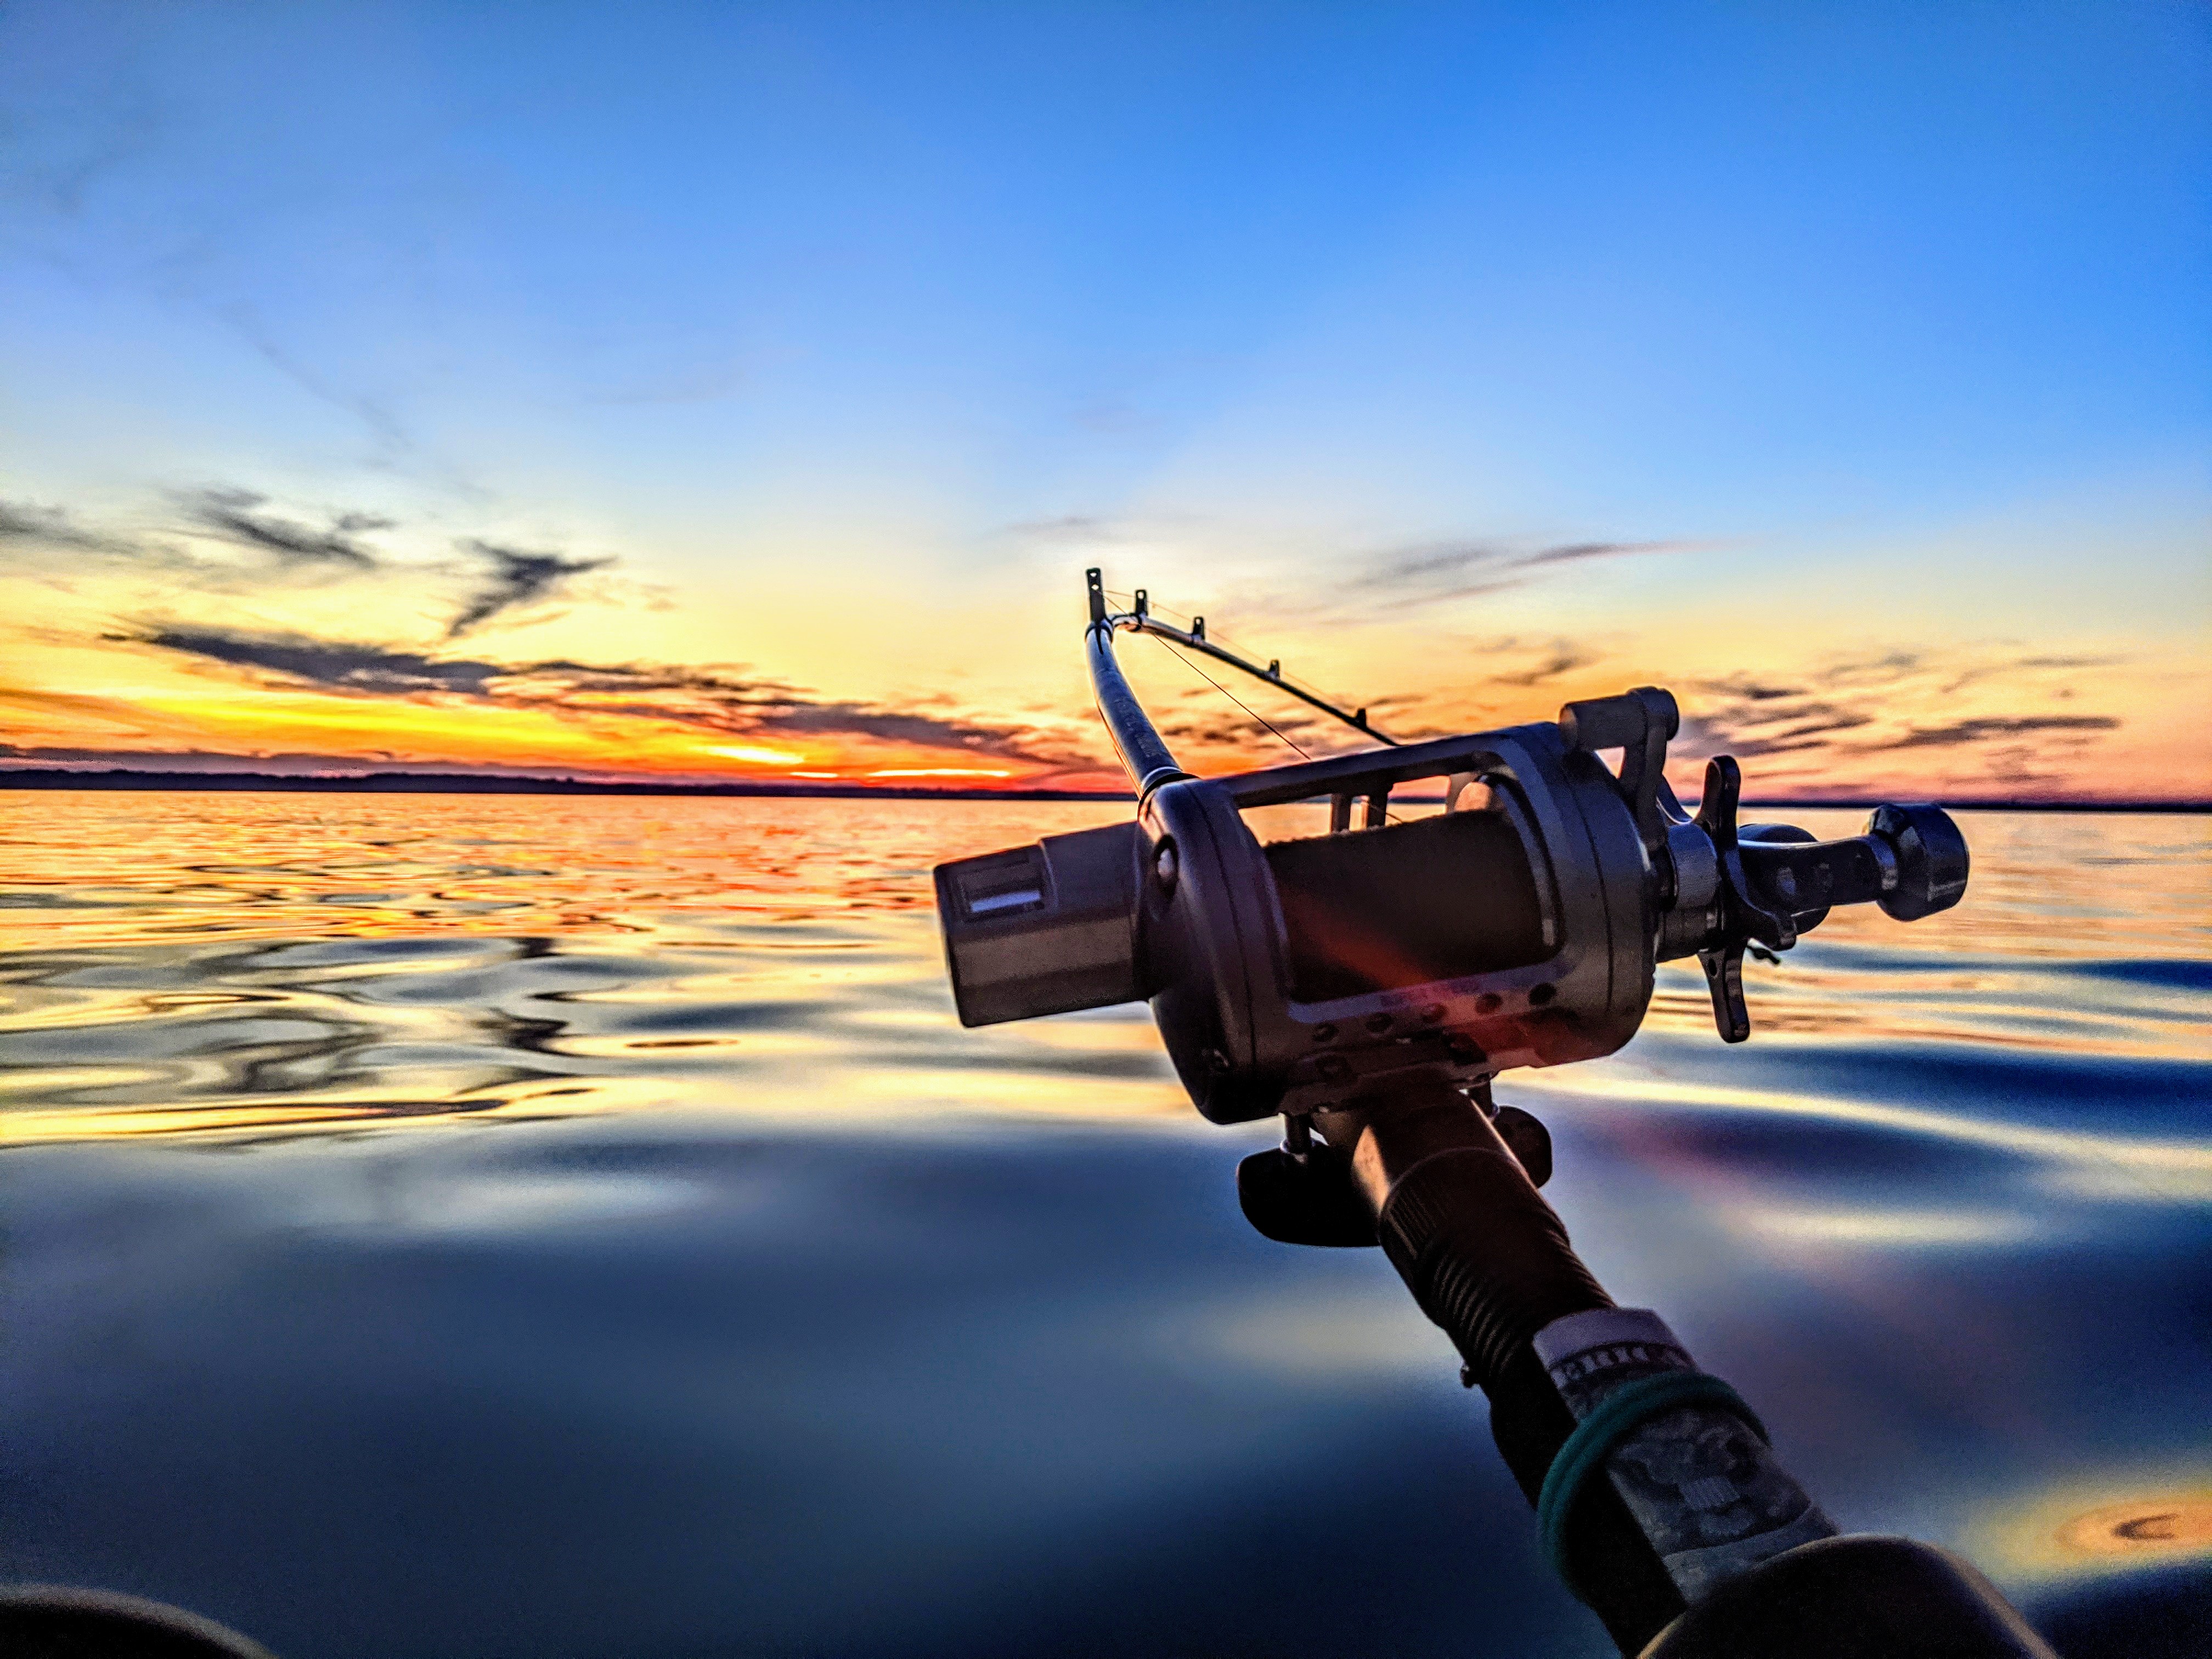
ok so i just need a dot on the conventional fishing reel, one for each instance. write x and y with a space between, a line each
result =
1518 924
1369 977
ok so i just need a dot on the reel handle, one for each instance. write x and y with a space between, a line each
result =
1910 861
1728 884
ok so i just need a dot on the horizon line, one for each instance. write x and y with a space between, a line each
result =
400 782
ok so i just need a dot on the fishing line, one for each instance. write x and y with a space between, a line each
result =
1227 693
1296 680
1388 816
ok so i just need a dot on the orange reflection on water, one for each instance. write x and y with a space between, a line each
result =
226 961
2080 933
2083 1526
2177 1525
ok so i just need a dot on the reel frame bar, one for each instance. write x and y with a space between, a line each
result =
1144 756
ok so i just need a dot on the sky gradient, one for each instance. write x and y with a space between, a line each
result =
736 392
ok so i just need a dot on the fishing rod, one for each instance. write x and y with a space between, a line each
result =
1139 619
1368 983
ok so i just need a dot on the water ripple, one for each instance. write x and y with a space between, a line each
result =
786 1313
252 962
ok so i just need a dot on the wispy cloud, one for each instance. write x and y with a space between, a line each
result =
1850 713
1068 529
223 539
81 705
1575 552
52 546
515 579
25 523
234 515
1201 717
1431 573
392 438
1561 657
1956 733
2028 664
200 548
1806 726
1380 585
1746 717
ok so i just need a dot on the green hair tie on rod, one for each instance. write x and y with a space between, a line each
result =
1596 1434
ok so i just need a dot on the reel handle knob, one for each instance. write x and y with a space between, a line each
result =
1930 857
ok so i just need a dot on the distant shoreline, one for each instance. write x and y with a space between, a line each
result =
442 783
438 783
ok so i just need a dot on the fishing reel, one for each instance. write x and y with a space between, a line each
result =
1369 978
1510 914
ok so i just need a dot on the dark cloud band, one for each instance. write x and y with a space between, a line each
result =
725 703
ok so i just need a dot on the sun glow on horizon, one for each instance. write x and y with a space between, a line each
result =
761 756
941 772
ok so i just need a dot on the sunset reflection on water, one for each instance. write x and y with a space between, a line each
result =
185 963
1942 1219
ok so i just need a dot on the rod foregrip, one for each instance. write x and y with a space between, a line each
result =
1696 1543
1485 1255
1489 1262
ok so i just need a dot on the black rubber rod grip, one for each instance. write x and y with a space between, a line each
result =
1489 1262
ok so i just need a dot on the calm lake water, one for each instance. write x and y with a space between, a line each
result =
536 1227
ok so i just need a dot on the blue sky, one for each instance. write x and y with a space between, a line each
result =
1889 324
